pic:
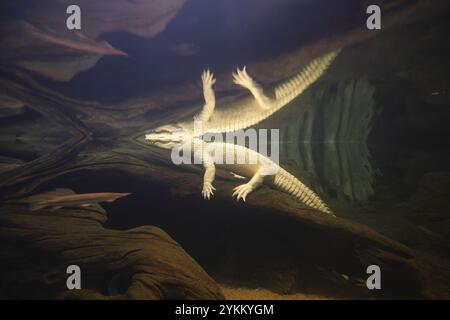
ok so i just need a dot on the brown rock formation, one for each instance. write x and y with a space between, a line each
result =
34 35
141 263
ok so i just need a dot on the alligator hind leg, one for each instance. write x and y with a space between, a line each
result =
242 191
241 77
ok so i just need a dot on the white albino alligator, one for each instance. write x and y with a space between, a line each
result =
235 114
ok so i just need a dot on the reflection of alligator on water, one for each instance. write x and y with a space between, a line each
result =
325 142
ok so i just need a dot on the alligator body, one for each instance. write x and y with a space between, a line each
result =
232 114
263 170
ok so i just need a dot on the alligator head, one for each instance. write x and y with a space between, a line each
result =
168 136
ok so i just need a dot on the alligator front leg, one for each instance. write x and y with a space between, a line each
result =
204 154
208 179
210 98
242 191
241 77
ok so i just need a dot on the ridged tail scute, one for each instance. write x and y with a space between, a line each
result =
290 184
290 89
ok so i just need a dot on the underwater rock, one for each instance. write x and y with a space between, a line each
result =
61 68
51 54
141 263
66 198
35 35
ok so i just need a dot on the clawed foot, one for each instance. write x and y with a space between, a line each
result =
208 79
241 77
208 190
242 191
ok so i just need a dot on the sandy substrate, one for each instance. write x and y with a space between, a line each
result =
235 293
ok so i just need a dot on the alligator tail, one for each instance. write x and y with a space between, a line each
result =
292 88
290 184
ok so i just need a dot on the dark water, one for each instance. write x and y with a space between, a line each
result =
224 35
